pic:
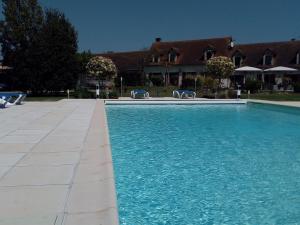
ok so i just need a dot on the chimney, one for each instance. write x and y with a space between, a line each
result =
158 39
231 44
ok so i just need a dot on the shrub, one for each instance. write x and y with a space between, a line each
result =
102 95
157 81
113 95
210 83
200 82
188 82
83 93
252 85
232 94
297 87
209 96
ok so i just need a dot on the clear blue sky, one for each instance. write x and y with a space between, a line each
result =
122 25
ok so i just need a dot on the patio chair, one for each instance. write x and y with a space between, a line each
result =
3 103
18 100
184 94
139 93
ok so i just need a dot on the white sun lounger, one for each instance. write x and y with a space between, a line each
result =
3 103
139 93
183 93
18 101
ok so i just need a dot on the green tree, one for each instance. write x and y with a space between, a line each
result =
83 59
220 67
22 21
57 48
40 47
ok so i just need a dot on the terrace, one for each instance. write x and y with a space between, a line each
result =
56 165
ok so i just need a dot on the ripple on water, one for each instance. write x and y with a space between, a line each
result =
206 164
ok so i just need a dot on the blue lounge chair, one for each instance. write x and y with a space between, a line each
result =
184 94
7 97
18 100
3 103
139 93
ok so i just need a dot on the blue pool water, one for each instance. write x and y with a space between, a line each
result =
206 164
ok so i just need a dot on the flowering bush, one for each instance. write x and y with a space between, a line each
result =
102 68
220 67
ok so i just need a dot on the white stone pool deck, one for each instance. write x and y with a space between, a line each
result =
55 165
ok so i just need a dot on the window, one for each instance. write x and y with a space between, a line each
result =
172 56
155 59
268 60
208 54
298 58
237 60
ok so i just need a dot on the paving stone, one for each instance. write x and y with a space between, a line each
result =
38 175
9 159
97 156
30 220
21 139
91 197
33 201
50 159
46 148
93 172
30 132
107 217
3 170
15 148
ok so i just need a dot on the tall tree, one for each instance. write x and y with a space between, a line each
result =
23 20
40 47
83 59
57 44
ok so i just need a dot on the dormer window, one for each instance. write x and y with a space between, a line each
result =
208 54
268 58
172 57
237 59
156 59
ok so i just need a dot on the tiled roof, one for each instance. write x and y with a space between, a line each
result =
189 52
284 53
127 61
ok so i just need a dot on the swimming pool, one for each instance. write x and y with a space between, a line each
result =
208 164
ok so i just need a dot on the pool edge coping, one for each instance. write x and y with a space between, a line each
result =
288 104
97 195
113 192
160 101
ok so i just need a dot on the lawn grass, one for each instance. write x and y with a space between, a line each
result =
274 96
44 99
